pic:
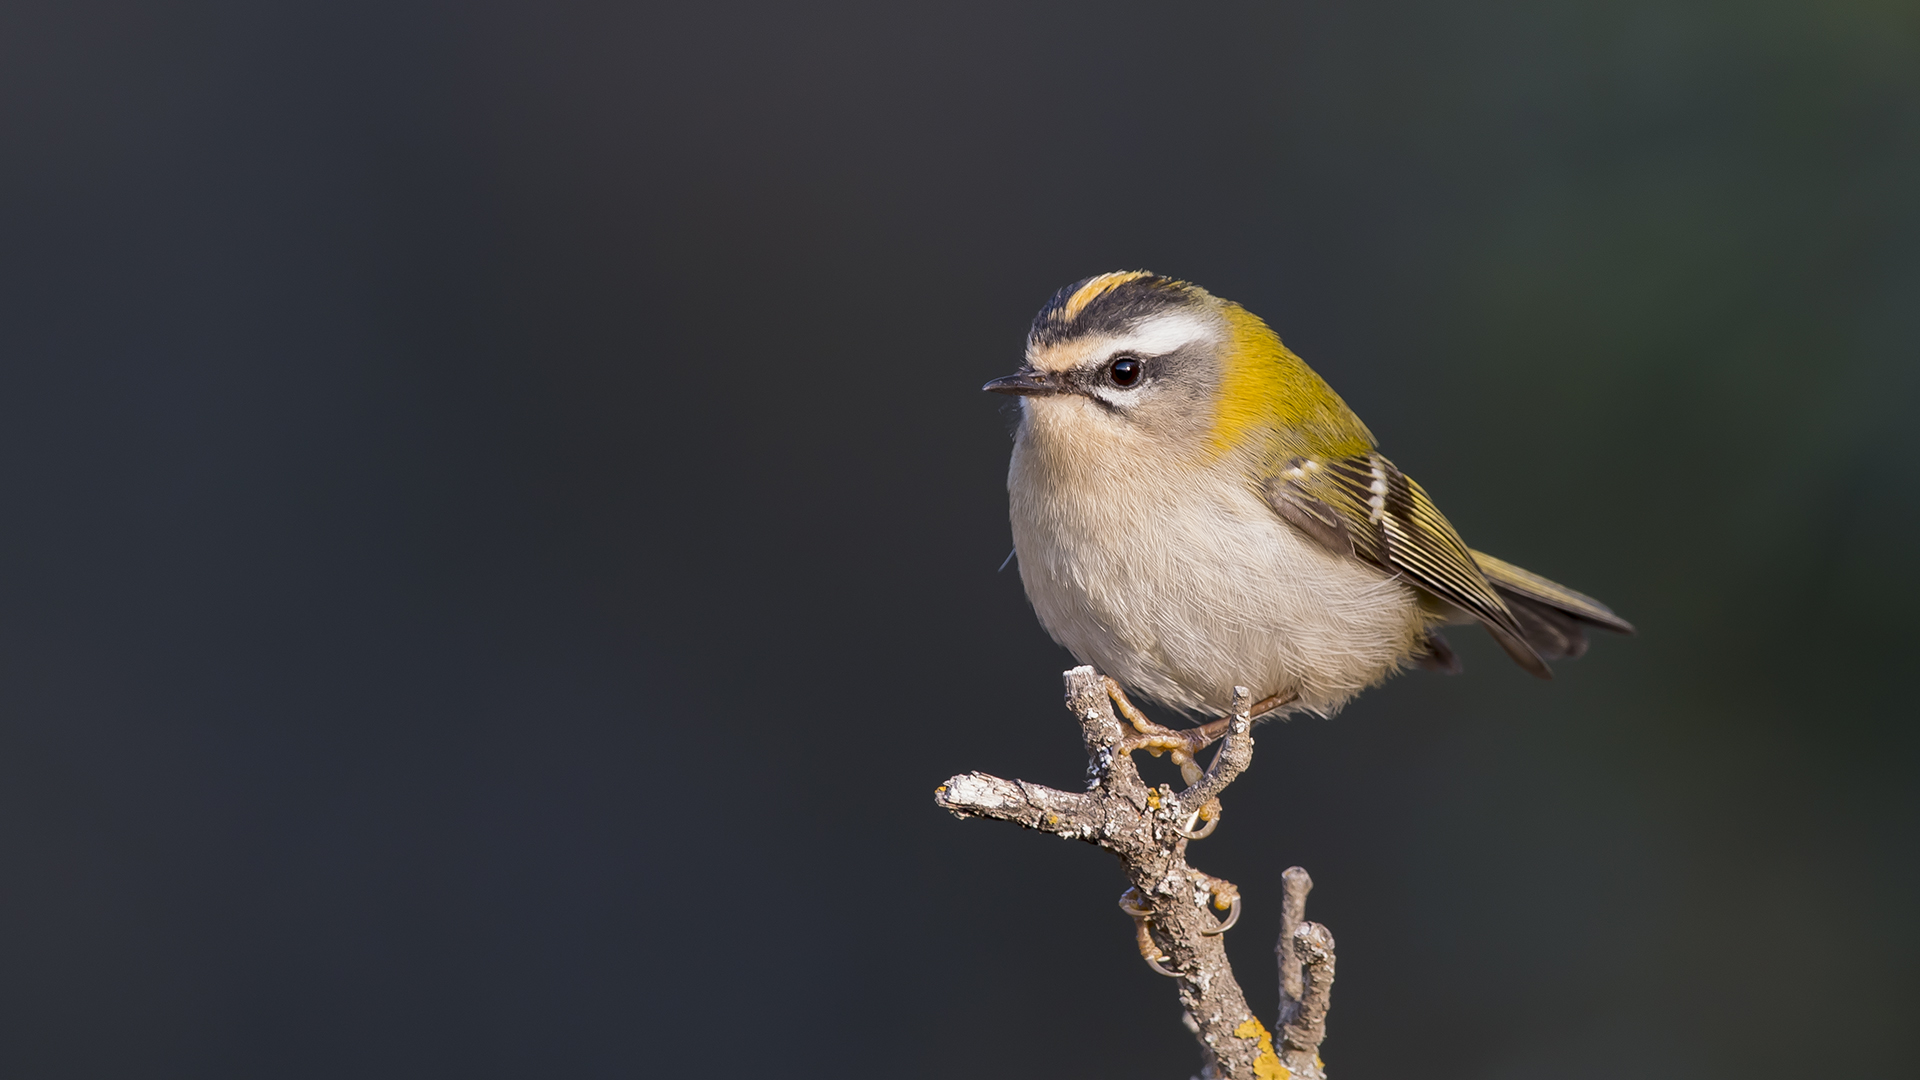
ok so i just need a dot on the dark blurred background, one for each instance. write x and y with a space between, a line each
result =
500 529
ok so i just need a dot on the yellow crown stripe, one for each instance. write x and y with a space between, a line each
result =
1095 289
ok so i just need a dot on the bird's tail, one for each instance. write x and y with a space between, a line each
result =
1554 617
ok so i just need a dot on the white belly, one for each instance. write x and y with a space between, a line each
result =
1184 590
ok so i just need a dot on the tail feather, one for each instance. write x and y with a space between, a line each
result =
1554 617
1439 656
1553 635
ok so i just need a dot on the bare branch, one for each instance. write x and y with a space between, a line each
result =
1232 759
1293 911
1302 1036
1036 807
1169 900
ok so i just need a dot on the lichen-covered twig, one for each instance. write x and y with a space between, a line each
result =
1305 952
1300 1037
1293 912
1148 829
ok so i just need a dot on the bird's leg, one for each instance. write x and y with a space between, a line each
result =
1134 716
1269 703
1156 739
1210 732
1182 745
1196 738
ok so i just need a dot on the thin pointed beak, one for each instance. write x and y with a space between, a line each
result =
1027 384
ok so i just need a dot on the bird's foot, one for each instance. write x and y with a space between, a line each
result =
1192 828
1132 903
1157 739
1183 746
1226 897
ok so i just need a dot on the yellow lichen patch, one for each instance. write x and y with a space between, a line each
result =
1266 1063
1153 799
941 790
1094 290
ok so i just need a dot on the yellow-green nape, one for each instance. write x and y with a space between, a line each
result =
1269 397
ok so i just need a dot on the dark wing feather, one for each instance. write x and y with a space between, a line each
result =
1555 617
1386 519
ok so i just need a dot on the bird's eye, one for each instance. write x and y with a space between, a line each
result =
1124 371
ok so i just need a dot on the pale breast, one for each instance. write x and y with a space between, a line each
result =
1185 587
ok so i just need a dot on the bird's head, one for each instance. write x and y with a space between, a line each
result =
1137 361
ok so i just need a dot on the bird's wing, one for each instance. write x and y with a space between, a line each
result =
1362 505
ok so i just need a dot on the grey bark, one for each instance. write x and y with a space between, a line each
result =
1149 830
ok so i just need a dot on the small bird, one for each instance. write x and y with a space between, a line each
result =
1194 509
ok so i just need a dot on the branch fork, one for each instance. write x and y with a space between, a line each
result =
1148 829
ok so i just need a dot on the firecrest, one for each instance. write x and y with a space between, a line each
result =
1194 508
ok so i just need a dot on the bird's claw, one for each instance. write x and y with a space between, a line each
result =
1233 916
1157 739
1148 950
1210 814
1226 897
1182 745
